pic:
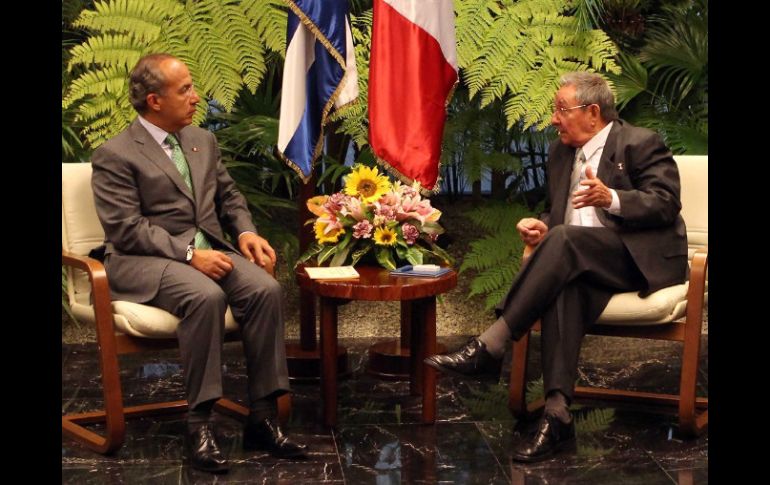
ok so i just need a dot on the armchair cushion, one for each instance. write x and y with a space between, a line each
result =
663 306
143 320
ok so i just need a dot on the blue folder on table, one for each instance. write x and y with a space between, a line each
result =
409 271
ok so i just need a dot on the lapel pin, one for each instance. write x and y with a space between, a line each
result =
195 149
620 165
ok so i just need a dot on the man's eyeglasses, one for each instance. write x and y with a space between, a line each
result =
561 111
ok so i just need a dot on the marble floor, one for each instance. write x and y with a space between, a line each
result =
378 439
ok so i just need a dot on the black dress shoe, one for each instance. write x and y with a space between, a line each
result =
551 435
267 435
204 451
472 359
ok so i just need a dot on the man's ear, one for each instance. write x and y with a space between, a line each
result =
595 110
153 101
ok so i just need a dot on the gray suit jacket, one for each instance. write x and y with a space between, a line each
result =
148 213
636 163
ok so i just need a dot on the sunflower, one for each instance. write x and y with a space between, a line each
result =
367 183
384 236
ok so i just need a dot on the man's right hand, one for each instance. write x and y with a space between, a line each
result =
212 263
532 230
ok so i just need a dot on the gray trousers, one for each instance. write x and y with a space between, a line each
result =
255 298
567 282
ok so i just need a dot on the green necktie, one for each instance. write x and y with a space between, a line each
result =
177 155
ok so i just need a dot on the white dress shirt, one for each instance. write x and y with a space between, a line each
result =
593 149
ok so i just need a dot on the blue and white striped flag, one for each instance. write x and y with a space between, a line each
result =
319 73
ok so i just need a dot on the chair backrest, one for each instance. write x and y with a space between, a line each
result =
694 176
81 230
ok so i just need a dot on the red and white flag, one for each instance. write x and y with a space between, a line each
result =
412 73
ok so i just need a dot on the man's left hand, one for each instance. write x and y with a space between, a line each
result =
256 249
595 194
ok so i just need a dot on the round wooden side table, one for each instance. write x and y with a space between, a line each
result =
418 297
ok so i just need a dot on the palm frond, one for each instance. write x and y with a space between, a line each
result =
631 82
677 49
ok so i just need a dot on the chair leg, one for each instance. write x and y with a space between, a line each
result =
284 408
517 399
691 423
113 414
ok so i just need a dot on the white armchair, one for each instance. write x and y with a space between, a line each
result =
121 327
672 313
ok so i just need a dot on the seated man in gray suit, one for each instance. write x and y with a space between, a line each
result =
166 202
611 224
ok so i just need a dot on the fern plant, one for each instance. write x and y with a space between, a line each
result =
495 256
590 425
353 118
223 42
488 403
517 50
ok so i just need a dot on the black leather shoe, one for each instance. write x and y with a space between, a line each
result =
204 451
267 435
551 436
472 359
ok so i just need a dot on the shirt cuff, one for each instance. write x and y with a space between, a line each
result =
246 232
614 208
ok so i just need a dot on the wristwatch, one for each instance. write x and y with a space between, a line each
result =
189 255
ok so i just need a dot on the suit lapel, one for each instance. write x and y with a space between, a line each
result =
155 154
608 154
606 167
562 170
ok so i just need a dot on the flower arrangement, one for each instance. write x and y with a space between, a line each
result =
373 214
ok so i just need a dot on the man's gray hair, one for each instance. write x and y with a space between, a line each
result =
591 88
146 78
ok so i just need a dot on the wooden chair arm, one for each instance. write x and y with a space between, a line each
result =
100 291
100 288
697 288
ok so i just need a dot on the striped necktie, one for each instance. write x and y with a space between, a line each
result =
177 156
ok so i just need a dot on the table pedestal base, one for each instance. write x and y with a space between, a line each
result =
390 361
305 365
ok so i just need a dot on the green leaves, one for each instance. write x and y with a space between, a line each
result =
223 42
665 87
495 257
385 257
516 52
677 49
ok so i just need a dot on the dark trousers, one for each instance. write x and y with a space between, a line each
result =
567 282
255 298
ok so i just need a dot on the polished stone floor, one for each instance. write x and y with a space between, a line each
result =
379 441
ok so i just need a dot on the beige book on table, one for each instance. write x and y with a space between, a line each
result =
332 273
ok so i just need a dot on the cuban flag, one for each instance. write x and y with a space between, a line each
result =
319 74
412 75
